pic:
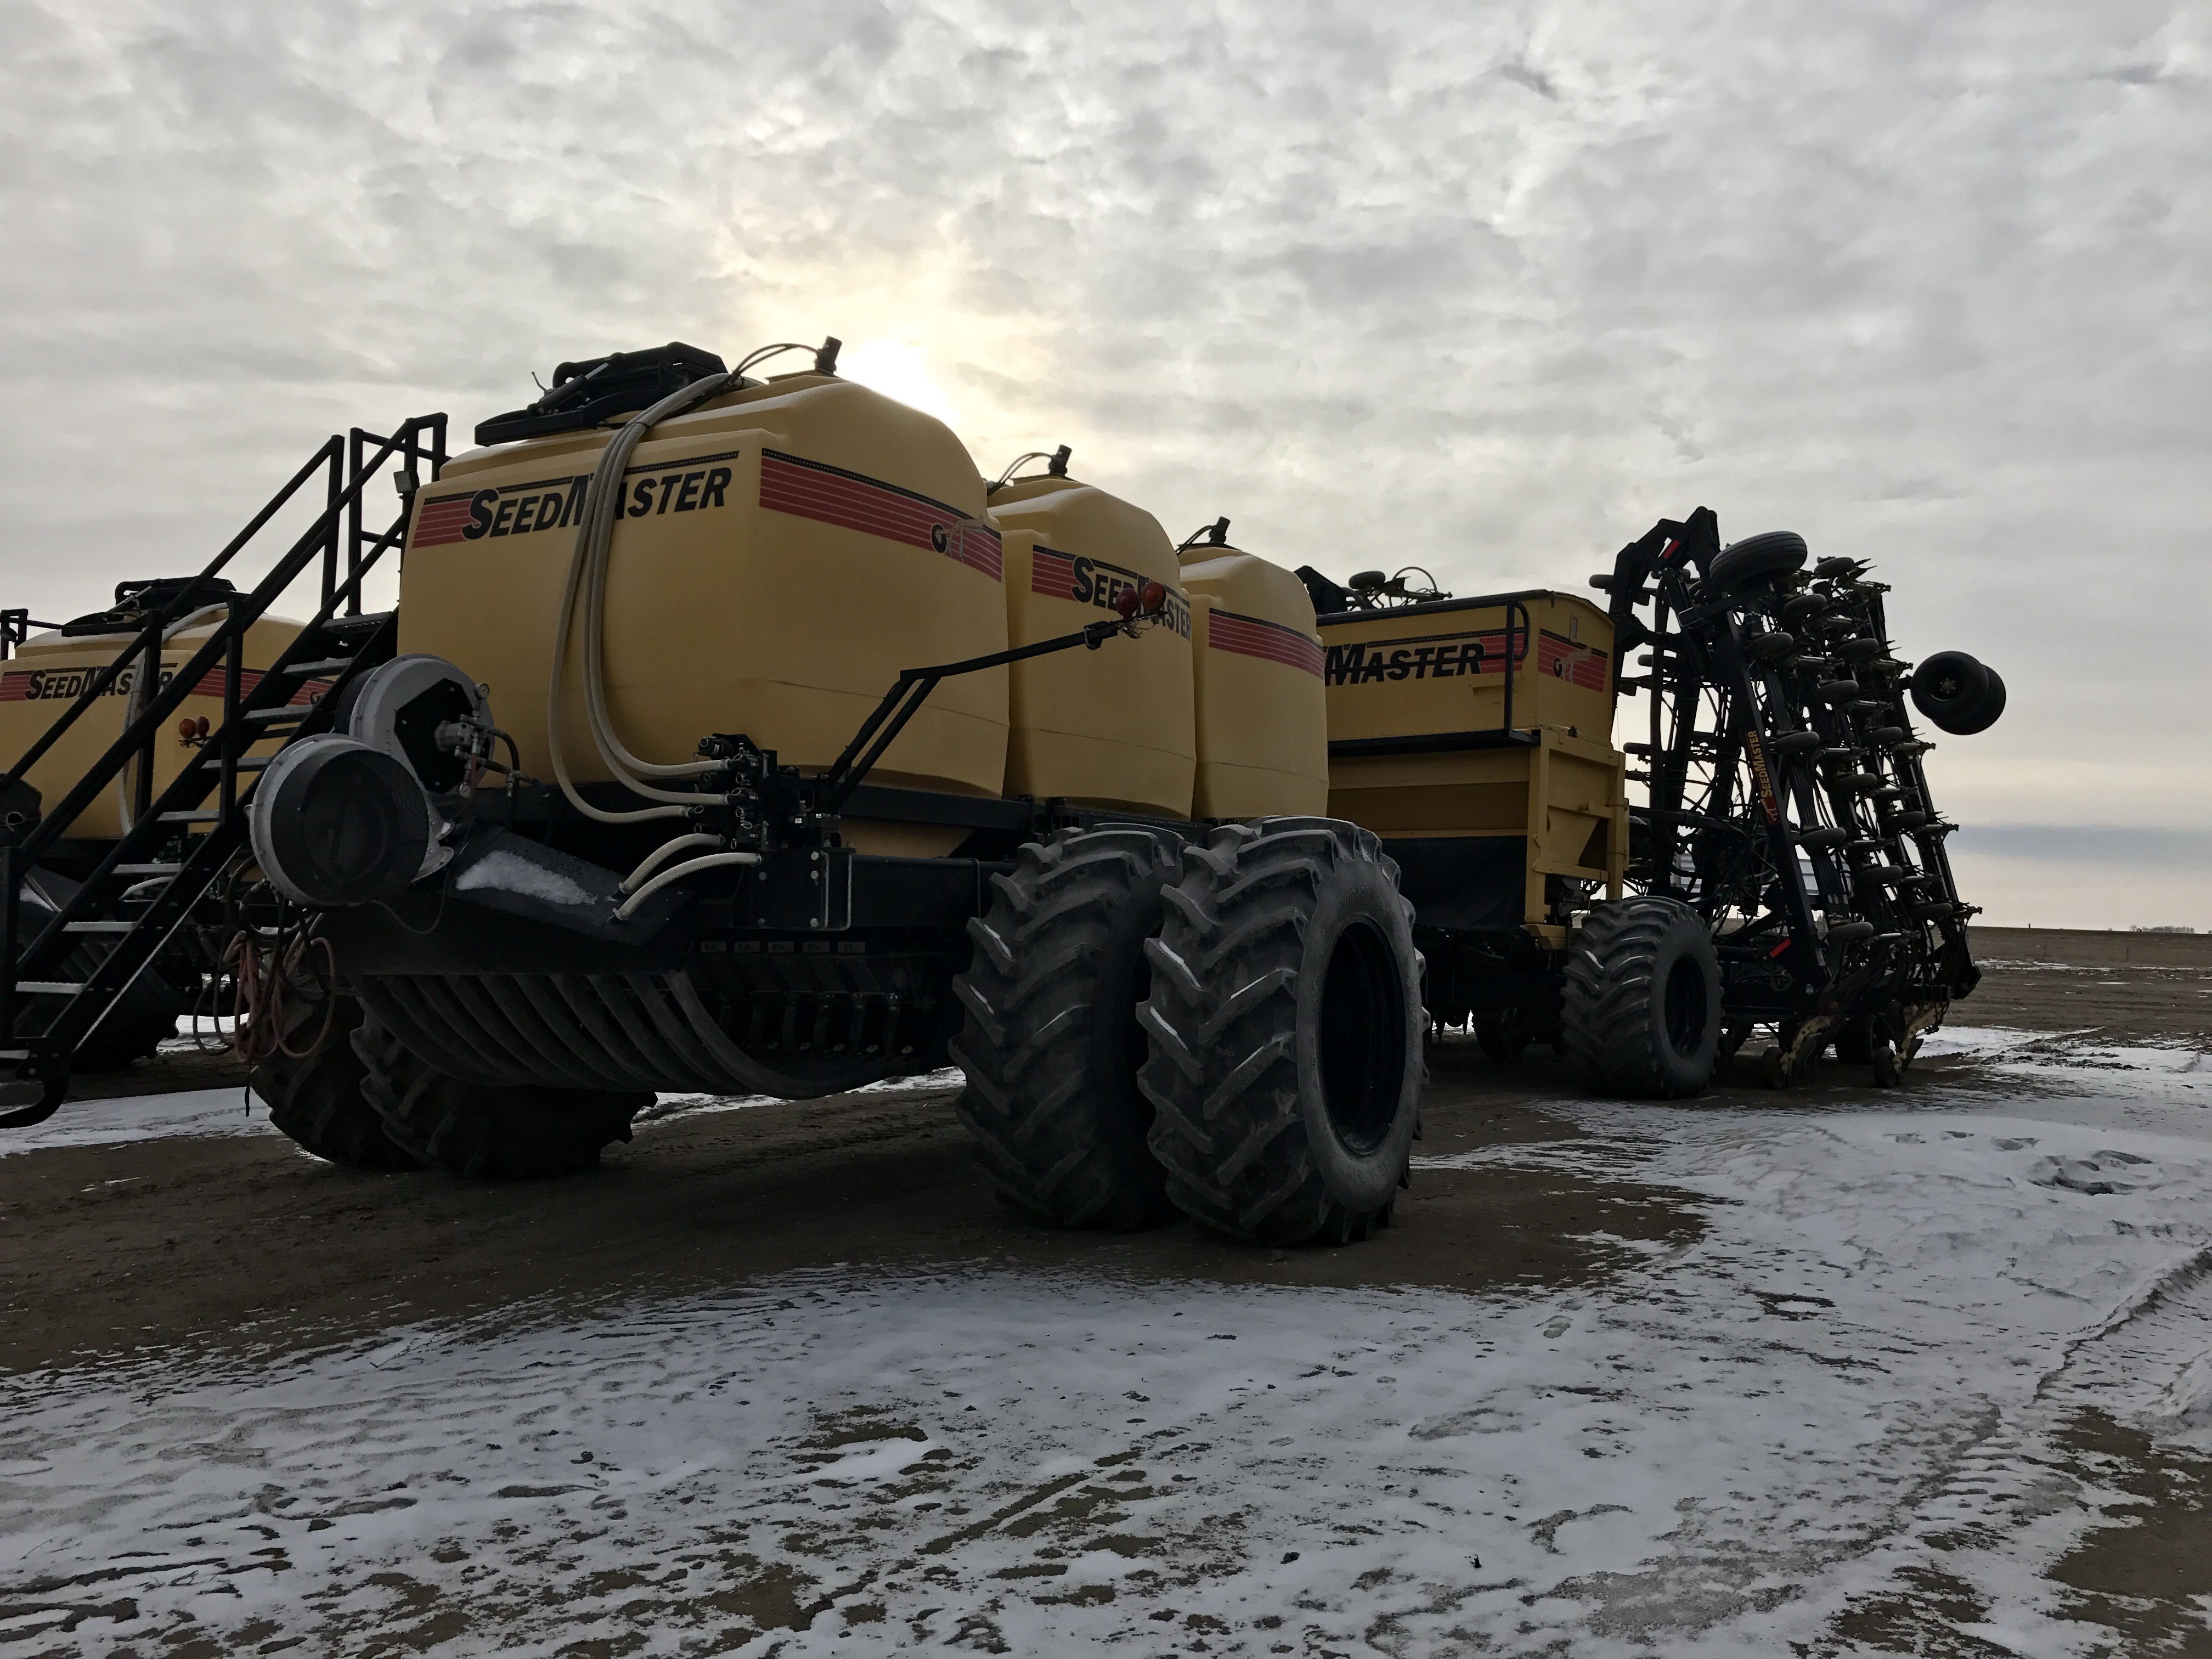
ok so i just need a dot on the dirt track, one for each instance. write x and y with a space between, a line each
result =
221 1242
240 1245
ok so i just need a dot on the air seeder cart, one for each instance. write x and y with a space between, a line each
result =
638 789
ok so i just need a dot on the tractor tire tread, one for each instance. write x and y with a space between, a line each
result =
1042 1124
472 1130
319 1100
1223 1076
1605 1012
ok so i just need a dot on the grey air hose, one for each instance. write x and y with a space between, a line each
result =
660 855
588 580
587 574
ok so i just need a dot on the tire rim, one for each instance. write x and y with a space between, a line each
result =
1686 1010
1363 1024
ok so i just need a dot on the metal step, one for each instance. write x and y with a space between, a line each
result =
211 758
337 645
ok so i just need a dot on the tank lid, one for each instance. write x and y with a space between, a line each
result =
1056 466
1214 535
134 601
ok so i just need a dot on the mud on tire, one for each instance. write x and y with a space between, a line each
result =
1285 1022
1051 1044
319 1100
1642 1001
469 1129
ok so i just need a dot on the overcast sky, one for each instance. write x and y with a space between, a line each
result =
1485 288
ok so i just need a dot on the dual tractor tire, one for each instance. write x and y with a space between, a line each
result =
1286 1024
471 1129
1230 1030
1958 694
317 1100
1641 1006
359 1098
1051 1044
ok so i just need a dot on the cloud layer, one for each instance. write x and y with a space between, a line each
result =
1487 290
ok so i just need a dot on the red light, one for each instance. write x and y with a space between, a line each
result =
186 729
200 726
1155 595
1125 602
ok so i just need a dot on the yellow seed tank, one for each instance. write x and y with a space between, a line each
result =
50 671
1262 718
779 554
1111 727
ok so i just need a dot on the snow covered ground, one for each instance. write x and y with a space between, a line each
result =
198 1113
205 1113
1863 1366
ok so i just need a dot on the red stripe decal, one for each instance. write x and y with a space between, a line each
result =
1493 652
1052 574
1255 636
981 548
16 687
811 491
1578 665
210 685
442 521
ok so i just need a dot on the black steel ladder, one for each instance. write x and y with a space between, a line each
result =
146 884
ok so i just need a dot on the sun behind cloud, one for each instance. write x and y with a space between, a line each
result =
900 369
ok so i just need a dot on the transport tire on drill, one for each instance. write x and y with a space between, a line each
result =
1285 1026
1958 694
495 1134
1642 1001
1983 714
1051 1043
1771 553
317 1101
1854 1045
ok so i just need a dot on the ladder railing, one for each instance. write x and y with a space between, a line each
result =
15 626
174 841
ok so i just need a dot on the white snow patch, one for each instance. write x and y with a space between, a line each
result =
949 1076
199 1114
1985 1042
670 1108
504 872
204 1114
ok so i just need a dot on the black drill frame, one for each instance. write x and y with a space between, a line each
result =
1788 803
